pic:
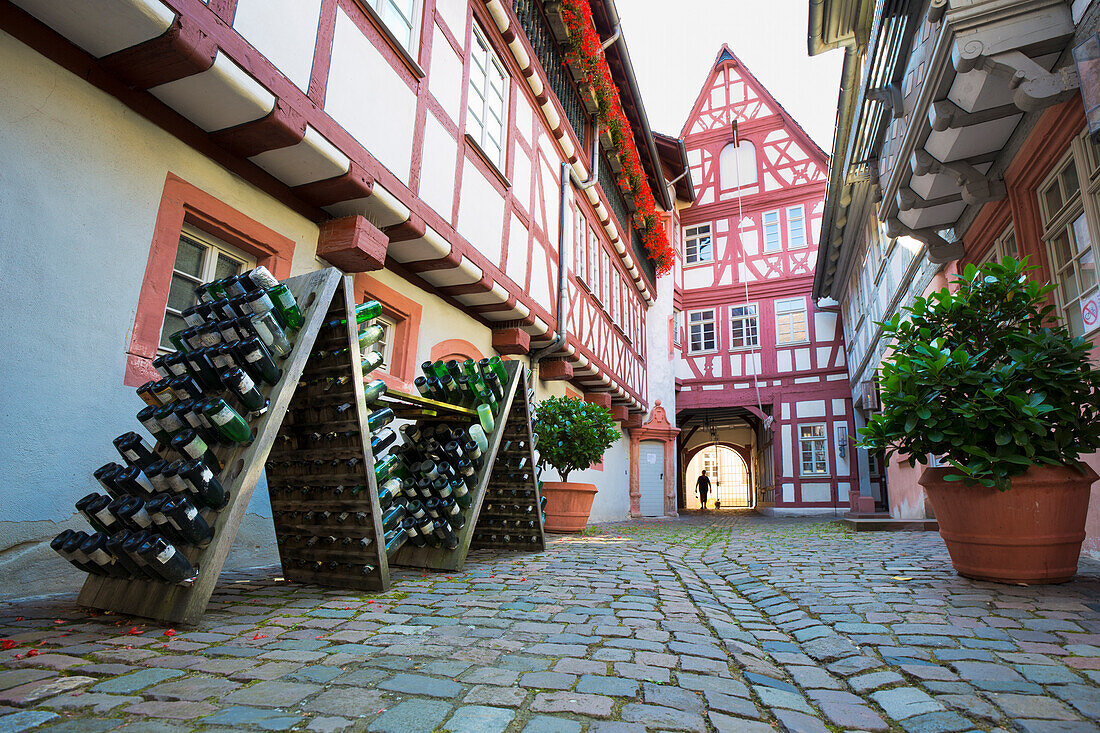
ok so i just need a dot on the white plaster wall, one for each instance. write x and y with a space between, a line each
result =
361 84
78 203
437 169
285 31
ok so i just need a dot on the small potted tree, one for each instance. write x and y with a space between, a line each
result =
572 436
985 379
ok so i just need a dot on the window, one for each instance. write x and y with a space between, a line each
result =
772 241
384 345
790 321
593 277
400 17
701 332
796 227
580 244
811 444
697 244
487 105
677 327
1005 246
1071 248
200 258
737 165
744 327
605 289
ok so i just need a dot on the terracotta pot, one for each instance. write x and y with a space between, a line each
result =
567 505
1031 533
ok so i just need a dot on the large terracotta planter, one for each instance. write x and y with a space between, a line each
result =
567 505
1031 533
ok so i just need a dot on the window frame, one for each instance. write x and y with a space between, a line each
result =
1076 206
213 247
742 319
803 440
479 135
390 323
713 321
764 225
801 209
677 328
377 7
692 236
804 310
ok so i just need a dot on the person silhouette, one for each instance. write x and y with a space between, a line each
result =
702 486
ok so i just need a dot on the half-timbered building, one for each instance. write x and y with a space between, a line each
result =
762 398
420 144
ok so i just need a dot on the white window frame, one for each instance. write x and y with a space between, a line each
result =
605 277
677 328
693 247
207 268
792 241
741 316
478 115
1072 220
811 440
385 10
702 322
1003 246
785 311
384 345
593 278
580 244
773 225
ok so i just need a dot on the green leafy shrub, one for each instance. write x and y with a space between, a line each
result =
983 378
573 434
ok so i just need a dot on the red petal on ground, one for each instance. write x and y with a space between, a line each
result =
32 652
7 644
259 636
134 631
170 632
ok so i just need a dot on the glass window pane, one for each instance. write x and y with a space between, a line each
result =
189 257
1069 288
1069 180
1081 233
1060 248
1053 198
181 294
226 266
1087 271
172 323
1073 320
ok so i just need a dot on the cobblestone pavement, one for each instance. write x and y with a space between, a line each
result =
726 622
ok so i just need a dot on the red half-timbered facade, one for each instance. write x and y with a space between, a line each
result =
762 368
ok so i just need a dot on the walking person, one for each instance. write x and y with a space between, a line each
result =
702 487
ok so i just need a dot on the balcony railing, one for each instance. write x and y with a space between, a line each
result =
537 29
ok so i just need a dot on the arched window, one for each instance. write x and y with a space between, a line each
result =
737 163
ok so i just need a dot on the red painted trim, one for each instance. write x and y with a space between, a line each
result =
460 349
322 54
406 313
181 202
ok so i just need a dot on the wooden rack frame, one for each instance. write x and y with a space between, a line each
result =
317 293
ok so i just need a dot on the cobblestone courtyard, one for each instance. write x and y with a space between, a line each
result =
726 622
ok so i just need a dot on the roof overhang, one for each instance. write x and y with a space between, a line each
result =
837 23
674 157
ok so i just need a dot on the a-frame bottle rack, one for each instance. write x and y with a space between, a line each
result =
511 512
320 472
318 294
512 432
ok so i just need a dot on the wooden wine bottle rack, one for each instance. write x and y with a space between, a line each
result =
511 515
316 293
320 472
513 419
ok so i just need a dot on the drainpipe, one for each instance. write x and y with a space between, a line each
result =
567 177
611 40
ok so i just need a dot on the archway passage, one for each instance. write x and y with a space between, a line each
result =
729 478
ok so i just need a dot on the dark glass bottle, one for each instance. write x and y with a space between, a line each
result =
169 562
95 548
244 389
132 483
190 445
188 522
134 450
259 359
379 418
84 506
445 534
395 540
382 440
203 484
409 525
105 475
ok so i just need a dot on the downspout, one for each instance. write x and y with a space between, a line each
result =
567 176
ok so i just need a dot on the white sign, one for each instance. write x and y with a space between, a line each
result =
1090 311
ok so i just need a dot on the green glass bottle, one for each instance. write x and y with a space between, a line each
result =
228 421
477 384
485 397
385 469
363 313
370 362
485 416
439 369
371 335
497 365
177 341
379 419
373 390
216 289
286 306
426 367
